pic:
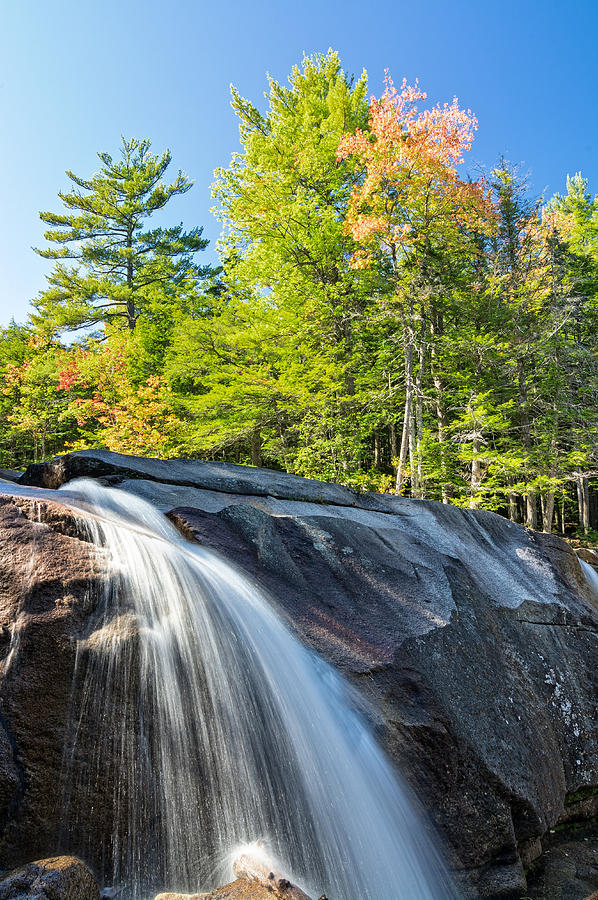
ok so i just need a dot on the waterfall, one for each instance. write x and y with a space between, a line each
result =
203 724
591 575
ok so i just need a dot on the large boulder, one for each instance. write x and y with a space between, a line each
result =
256 879
589 556
240 889
185 472
568 867
473 642
56 878
50 579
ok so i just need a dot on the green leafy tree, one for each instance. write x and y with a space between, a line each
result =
519 282
410 209
15 349
282 202
35 419
571 221
106 263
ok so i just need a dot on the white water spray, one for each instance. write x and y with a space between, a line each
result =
591 575
204 724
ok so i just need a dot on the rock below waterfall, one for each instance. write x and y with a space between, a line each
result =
589 556
472 642
50 580
242 889
57 878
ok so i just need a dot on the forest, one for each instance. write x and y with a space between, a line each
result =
377 318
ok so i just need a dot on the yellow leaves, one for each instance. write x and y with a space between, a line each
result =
36 342
558 221
13 377
140 419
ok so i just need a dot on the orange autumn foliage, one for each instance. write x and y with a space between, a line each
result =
118 414
411 194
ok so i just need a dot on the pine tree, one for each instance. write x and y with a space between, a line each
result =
106 263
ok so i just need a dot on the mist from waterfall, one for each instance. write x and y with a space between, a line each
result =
202 723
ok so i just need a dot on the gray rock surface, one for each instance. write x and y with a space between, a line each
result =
50 580
213 476
568 867
588 556
475 647
11 475
473 642
57 878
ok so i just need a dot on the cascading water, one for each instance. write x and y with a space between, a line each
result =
591 575
203 723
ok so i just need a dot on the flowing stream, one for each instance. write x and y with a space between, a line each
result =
203 723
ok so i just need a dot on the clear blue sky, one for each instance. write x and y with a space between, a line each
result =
77 74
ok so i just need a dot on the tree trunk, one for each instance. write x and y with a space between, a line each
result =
413 455
548 512
442 423
393 440
377 450
419 406
348 349
436 327
513 507
531 519
131 311
408 357
548 504
256 447
586 504
476 473
583 501
531 510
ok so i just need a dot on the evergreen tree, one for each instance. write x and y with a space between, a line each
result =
106 263
572 223
519 281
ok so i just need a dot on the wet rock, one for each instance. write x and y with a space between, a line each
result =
473 643
245 890
257 870
212 476
57 878
568 867
174 896
256 879
241 889
589 556
47 594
